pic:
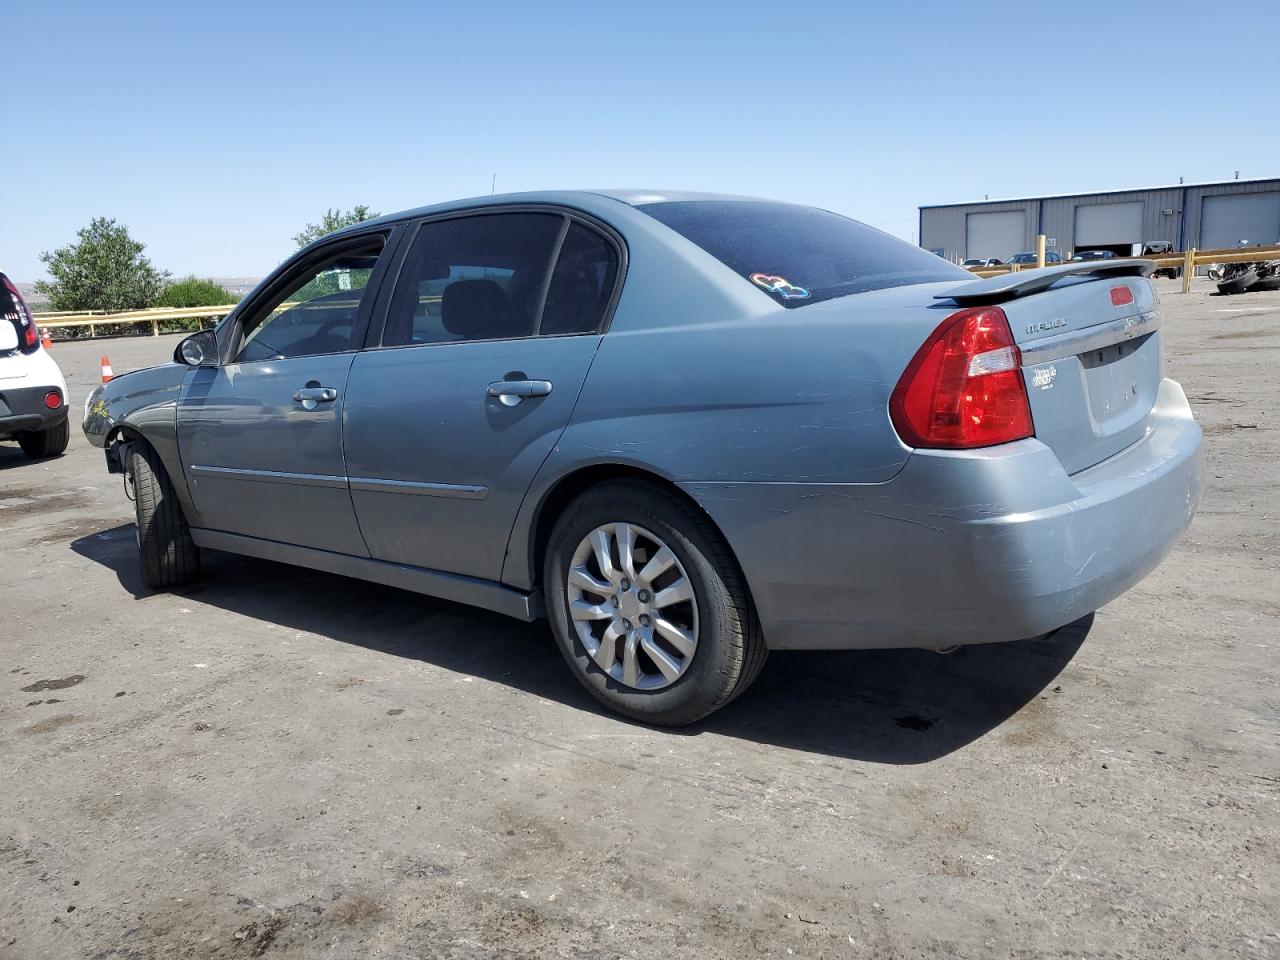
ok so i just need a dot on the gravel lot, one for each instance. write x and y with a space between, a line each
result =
287 764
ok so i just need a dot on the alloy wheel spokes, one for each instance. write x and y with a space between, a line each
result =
632 606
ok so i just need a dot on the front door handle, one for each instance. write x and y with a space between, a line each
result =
312 397
511 392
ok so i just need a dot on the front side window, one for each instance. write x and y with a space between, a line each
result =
317 311
797 254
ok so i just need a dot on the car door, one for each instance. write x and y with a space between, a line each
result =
261 435
489 334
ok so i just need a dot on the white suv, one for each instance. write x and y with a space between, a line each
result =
33 393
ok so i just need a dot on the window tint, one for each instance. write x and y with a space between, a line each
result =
800 255
581 283
473 278
316 313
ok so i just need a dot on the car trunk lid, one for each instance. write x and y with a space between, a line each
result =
1091 355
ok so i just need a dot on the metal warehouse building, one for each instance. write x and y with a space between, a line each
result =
1207 216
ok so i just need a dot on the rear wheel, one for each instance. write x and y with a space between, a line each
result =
166 553
50 442
648 605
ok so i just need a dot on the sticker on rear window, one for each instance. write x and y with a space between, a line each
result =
779 285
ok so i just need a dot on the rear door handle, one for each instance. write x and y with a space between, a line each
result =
312 397
511 392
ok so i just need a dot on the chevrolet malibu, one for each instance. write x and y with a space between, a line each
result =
685 429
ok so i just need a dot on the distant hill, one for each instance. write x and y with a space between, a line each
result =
236 285
28 291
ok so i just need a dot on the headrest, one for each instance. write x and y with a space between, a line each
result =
476 309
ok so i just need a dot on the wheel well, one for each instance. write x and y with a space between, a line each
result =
116 436
570 486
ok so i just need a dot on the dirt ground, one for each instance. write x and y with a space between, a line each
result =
278 763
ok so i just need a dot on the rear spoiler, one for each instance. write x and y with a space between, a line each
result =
1023 283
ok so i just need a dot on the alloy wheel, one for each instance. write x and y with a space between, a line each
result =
633 606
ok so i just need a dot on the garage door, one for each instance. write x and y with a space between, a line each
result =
995 234
1225 221
1108 224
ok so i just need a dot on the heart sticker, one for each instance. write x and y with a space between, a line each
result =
779 285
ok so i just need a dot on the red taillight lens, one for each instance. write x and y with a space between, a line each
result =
53 400
964 387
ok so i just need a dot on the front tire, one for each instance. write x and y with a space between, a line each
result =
50 442
167 555
648 605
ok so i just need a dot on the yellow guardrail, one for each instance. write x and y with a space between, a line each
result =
93 320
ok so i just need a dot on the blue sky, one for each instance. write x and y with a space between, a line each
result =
216 131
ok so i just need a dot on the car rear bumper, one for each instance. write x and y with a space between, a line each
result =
22 410
961 547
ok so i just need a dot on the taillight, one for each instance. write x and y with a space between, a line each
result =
964 388
53 400
30 335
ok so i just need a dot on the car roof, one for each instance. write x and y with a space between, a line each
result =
588 200
571 198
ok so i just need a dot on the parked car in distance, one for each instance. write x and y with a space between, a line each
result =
978 263
33 392
1084 255
1161 248
686 429
1029 259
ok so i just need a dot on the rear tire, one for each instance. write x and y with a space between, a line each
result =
50 442
730 649
167 556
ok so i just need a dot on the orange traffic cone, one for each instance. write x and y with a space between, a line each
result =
46 341
106 369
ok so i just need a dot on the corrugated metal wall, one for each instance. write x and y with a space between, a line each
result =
1196 195
1060 214
943 228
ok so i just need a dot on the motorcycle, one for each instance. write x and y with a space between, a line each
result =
1235 278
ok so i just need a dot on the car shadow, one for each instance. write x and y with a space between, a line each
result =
12 456
883 706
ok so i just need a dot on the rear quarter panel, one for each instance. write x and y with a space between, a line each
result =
773 396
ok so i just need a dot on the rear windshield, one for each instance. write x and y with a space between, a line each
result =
799 254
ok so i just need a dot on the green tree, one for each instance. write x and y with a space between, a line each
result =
333 220
103 270
195 292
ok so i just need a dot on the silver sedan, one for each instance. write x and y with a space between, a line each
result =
685 429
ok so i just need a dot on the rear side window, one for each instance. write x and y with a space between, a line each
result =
580 284
797 254
473 278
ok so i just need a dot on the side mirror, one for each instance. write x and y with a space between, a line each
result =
198 350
